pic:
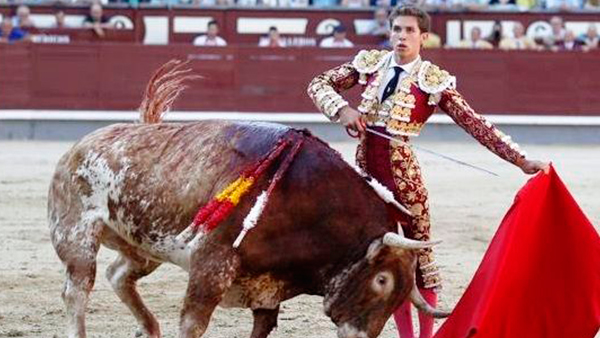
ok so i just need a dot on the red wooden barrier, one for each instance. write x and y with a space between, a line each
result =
113 76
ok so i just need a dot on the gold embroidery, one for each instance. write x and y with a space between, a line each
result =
405 99
432 79
367 61
435 76
324 89
361 156
401 113
476 125
396 127
398 106
412 193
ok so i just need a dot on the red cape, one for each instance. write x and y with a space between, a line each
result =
540 277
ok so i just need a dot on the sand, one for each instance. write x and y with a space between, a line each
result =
467 207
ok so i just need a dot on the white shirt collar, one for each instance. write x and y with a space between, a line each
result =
407 67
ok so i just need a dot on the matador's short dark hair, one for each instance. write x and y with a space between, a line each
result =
423 19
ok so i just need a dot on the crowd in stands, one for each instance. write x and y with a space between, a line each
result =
431 5
559 39
16 29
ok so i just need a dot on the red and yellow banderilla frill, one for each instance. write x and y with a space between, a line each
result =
209 216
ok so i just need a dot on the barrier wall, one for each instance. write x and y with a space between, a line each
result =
248 79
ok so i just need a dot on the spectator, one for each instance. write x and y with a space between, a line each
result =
525 5
212 37
381 25
470 5
10 33
520 41
22 20
592 4
286 3
563 5
433 41
557 34
298 3
496 35
354 3
590 38
503 4
415 3
59 19
272 40
474 5
570 43
211 3
338 40
475 42
96 20
440 4
383 3
325 3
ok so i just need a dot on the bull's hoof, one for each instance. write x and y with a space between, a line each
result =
141 333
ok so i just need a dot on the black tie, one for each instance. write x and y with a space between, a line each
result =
391 86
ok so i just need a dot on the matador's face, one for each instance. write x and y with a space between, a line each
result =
406 38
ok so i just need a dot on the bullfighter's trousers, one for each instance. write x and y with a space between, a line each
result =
395 165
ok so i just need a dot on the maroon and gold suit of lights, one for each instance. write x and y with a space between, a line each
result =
403 115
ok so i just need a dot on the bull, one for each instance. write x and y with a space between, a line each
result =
135 189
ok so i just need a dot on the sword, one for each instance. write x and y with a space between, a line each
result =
391 138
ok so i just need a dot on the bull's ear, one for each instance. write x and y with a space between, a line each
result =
374 249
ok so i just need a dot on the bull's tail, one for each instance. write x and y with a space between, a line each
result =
162 90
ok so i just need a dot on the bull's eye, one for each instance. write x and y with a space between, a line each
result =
383 283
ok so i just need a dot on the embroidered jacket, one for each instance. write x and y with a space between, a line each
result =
406 111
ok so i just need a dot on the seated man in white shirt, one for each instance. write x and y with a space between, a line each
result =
272 40
338 40
211 38
519 41
475 42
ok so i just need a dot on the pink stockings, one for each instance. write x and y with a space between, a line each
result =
403 317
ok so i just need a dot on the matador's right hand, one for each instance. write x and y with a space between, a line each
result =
352 119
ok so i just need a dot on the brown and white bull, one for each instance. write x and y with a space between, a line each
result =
135 187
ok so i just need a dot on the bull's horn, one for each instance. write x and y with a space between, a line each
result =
393 239
417 299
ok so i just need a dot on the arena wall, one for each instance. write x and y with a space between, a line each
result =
250 79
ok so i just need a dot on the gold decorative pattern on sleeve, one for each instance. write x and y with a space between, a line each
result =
432 79
482 130
324 89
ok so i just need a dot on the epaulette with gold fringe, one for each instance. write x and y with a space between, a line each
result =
368 62
432 79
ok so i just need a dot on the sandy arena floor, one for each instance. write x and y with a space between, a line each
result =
467 207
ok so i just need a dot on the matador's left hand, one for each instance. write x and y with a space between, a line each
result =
533 166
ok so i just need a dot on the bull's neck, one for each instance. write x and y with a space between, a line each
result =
336 280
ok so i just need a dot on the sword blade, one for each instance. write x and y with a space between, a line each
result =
391 138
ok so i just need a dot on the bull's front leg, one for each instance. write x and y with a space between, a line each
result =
213 268
265 320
